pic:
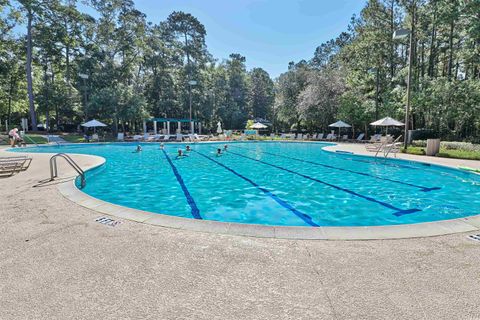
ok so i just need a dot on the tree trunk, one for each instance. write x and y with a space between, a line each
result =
392 43
450 55
10 93
431 58
33 115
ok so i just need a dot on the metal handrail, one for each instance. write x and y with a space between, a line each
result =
385 154
380 148
31 140
71 162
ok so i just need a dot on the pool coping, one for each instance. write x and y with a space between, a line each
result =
426 229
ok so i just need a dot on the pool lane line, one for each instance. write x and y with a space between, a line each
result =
194 209
422 188
399 212
306 218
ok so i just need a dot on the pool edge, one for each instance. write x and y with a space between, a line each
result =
426 229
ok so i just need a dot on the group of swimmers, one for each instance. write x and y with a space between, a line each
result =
181 153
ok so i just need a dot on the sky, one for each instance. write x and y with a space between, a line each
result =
269 33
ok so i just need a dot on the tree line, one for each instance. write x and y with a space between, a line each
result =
61 66
361 75
68 66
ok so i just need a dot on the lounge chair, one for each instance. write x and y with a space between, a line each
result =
200 137
120 136
137 137
320 136
179 137
359 138
345 137
375 146
12 165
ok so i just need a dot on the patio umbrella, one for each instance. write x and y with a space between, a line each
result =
387 122
340 124
219 127
93 124
259 125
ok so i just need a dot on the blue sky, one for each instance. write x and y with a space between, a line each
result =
268 33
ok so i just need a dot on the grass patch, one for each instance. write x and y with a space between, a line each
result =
459 154
414 150
446 153
73 138
33 138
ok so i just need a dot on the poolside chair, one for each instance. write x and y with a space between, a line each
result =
200 137
150 138
375 146
329 137
345 137
137 137
120 136
320 136
299 136
359 138
12 165
179 137
375 138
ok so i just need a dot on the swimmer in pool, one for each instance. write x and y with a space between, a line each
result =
139 149
188 149
225 147
181 154
219 152
161 146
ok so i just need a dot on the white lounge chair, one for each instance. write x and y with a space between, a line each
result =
12 165
120 136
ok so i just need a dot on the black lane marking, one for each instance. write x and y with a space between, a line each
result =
424 189
306 218
399 212
194 209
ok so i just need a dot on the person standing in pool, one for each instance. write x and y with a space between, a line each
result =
219 152
161 146
188 149
225 147
181 154
139 149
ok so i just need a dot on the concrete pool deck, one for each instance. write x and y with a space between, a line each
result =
57 262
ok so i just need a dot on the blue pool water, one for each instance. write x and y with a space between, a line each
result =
277 183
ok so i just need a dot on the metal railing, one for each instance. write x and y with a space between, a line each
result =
392 146
26 137
71 162
385 150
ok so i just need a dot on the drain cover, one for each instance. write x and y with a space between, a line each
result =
475 237
108 221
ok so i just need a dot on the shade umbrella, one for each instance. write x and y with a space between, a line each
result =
258 125
219 127
340 124
93 124
387 122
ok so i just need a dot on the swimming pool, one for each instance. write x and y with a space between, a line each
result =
276 184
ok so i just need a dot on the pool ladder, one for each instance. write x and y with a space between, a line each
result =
71 162
390 148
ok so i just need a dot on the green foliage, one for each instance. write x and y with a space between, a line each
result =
138 69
